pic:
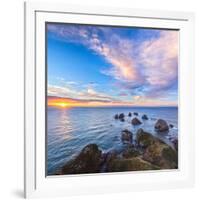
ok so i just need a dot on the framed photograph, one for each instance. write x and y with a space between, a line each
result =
109 100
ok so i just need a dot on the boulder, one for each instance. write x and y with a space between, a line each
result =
122 120
116 116
144 117
131 164
135 113
162 155
88 161
144 139
156 151
130 152
129 114
161 126
136 121
127 136
110 156
171 125
121 116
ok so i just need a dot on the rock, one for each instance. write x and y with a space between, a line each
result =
122 120
144 117
110 156
116 116
162 155
171 125
129 114
136 121
144 139
156 151
135 113
127 136
161 126
121 116
175 142
130 152
131 164
88 161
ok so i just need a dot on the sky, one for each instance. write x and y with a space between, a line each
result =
111 66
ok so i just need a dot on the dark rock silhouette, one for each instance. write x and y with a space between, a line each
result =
116 116
129 114
121 116
136 121
161 126
144 117
135 113
127 136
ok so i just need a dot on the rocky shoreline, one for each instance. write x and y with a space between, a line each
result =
144 152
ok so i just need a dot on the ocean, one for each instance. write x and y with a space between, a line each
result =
71 129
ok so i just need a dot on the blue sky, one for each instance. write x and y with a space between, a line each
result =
100 65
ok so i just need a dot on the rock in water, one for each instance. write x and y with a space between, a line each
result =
116 116
129 114
88 161
135 113
127 136
136 121
161 126
144 117
171 125
122 120
121 116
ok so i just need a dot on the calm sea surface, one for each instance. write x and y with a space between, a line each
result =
71 129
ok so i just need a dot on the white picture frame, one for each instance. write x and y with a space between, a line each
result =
36 184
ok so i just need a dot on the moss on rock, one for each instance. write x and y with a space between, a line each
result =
132 164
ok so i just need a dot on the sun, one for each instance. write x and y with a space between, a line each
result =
62 104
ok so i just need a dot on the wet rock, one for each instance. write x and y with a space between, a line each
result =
135 113
129 114
156 151
144 117
144 139
130 152
122 120
162 155
116 116
88 161
171 125
136 121
127 136
121 116
131 164
161 126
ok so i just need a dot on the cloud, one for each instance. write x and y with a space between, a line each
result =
147 66
88 94
159 57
